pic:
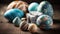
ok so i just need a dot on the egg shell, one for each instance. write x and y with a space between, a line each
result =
33 7
12 13
24 25
16 21
18 4
46 8
32 16
44 20
33 28
23 6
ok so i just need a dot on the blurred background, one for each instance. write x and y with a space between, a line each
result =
8 28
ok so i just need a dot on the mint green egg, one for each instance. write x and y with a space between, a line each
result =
33 7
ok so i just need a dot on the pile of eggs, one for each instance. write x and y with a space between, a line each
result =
30 17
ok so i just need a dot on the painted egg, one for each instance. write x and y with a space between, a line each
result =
33 7
44 20
17 21
24 25
32 16
12 13
18 4
46 8
32 28
23 6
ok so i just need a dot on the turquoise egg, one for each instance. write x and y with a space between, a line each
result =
16 21
46 8
46 20
33 7
12 13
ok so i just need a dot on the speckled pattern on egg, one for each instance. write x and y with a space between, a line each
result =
46 8
46 20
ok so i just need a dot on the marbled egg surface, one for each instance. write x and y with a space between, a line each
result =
46 8
45 20
18 4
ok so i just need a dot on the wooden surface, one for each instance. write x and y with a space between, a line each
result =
8 28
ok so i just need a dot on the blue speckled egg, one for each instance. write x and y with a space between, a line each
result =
46 8
12 13
45 20
33 7
16 21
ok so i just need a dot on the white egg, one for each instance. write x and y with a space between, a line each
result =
32 16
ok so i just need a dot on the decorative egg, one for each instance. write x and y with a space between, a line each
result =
18 4
33 7
44 20
12 13
46 8
24 25
23 6
33 28
16 21
32 16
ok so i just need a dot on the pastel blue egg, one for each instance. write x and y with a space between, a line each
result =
12 13
46 8
46 20
33 7
16 21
